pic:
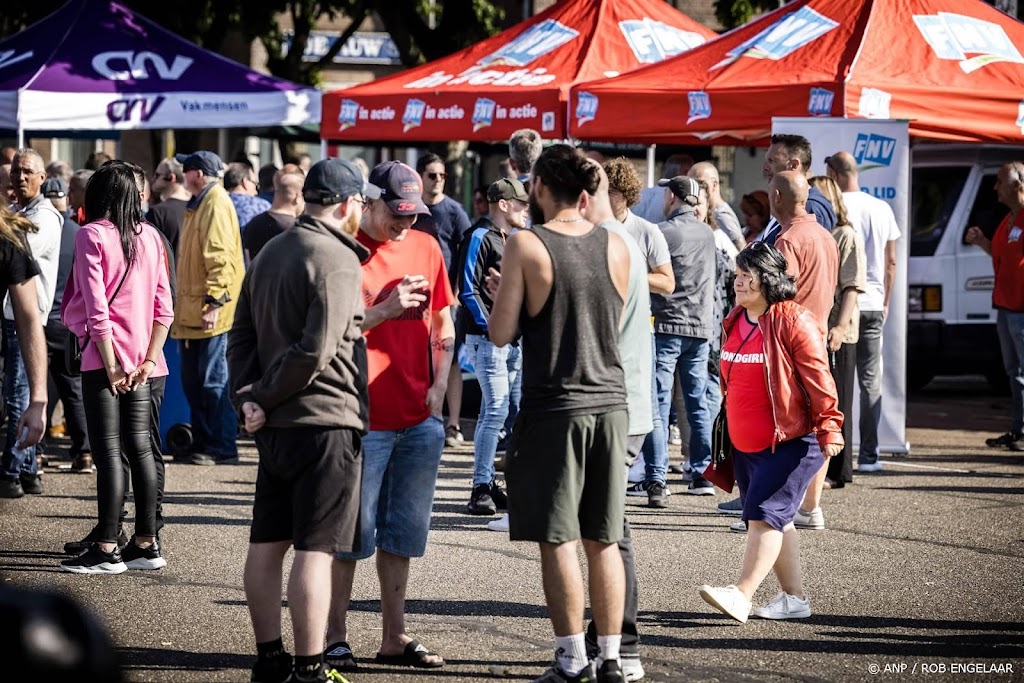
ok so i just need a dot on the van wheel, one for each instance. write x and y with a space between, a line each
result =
918 377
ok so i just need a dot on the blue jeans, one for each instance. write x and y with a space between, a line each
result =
496 369
397 492
16 396
1010 326
869 377
689 357
655 448
204 378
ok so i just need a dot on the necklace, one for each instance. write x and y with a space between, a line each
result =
567 220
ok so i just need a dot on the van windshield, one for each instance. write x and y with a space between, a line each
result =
935 191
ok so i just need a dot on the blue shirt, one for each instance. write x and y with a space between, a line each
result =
448 223
247 207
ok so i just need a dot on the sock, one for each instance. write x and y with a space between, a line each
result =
571 653
608 648
270 649
308 666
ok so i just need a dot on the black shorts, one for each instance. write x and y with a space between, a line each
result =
307 488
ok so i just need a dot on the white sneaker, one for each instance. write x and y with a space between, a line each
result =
784 606
739 527
632 669
500 524
728 600
815 519
674 437
865 468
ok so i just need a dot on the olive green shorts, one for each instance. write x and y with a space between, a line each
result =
564 477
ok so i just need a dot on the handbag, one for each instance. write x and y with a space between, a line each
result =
73 348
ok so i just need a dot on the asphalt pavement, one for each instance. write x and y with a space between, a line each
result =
919 573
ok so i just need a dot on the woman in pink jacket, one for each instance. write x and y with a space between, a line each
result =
118 303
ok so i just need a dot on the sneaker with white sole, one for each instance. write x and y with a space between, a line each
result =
674 437
95 561
700 487
728 600
815 519
137 557
731 507
868 467
632 669
784 606
739 527
500 524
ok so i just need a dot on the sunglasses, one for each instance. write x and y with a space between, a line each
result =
437 176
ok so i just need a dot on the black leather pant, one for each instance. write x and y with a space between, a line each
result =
116 423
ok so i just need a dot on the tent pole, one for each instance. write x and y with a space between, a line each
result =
650 165
323 148
21 137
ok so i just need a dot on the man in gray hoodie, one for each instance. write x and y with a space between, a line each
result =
297 359
683 321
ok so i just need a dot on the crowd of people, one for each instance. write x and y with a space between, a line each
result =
332 319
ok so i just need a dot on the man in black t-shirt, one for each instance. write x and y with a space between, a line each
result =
18 271
288 205
169 214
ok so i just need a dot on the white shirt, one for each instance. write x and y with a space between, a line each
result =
45 245
725 244
877 224
650 238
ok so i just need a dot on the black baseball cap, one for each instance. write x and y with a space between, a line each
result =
54 188
682 186
401 187
332 181
203 160
507 188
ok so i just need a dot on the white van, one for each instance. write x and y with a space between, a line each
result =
951 327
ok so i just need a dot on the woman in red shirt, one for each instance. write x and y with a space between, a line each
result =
780 401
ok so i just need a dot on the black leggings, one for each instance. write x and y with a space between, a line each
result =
117 422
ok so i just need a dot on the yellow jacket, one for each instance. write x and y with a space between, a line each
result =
209 263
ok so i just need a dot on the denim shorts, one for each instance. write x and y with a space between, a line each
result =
397 493
772 485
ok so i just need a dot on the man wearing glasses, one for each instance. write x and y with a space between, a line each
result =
169 213
449 223
240 182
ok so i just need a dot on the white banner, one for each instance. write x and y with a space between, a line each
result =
113 111
882 151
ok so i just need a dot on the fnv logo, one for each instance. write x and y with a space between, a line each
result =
954 36
483 113
413 115
874 104
700 106
873 151
347 115
820 103
531 44
653 41
783 38
124 65
586 107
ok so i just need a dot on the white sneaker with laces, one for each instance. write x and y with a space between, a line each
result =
739 527
728 600
500 524
674 437
815 519
865 468
784 606
632 669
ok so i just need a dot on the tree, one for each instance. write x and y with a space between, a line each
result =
733 13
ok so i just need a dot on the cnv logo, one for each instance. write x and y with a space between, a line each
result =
483 113
954 36
820 103
700 106
532 43
347 115
653 41
413 115
783 38
586 108
123 65
139 109
873 151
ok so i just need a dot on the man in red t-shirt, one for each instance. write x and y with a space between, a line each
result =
409 341
1007 253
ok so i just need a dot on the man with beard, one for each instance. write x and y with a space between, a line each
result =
409 339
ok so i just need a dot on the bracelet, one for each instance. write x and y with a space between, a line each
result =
150 360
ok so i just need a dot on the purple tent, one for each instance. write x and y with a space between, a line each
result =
96 65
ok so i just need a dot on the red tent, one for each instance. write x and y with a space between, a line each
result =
519 78
953 68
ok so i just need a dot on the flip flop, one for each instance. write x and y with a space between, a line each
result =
414 655
339 655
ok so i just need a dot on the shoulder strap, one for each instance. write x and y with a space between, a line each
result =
116 291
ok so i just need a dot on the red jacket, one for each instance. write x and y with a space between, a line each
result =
802 391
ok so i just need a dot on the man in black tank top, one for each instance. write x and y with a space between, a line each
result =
562 288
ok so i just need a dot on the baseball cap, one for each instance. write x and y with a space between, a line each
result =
682 186
400 187
507 188
54 188
203 160
332 181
